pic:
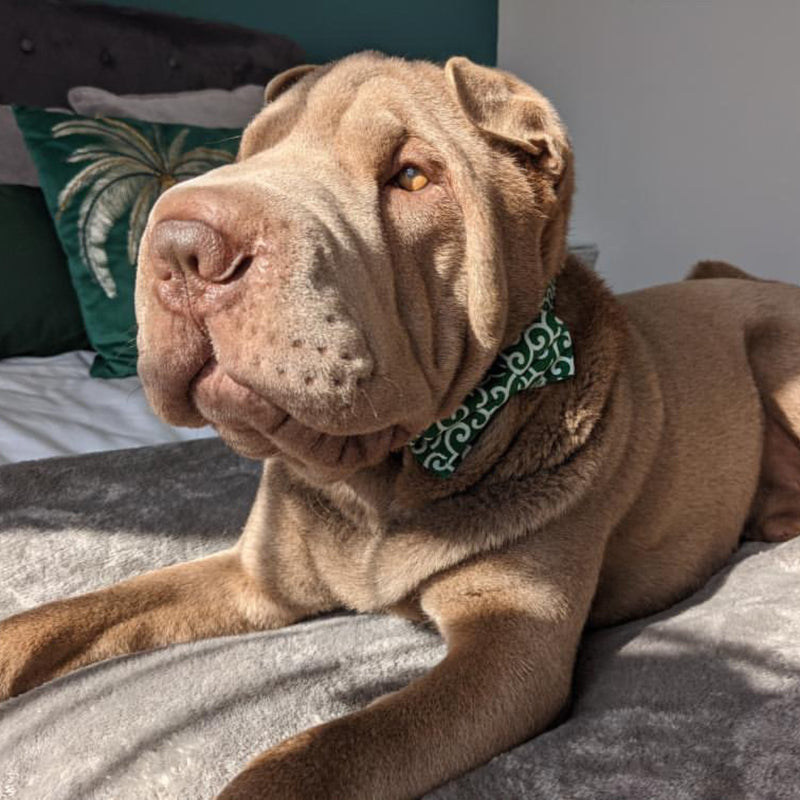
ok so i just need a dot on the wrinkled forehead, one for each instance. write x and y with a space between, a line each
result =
361 109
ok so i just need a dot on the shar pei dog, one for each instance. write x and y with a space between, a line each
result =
459 422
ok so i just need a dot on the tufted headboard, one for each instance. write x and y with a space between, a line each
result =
48 46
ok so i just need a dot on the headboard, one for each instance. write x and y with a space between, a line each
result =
48 46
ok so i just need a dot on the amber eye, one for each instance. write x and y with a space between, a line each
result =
412 179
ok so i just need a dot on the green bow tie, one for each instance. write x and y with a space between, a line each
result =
541 355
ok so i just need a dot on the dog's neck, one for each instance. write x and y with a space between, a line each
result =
542 354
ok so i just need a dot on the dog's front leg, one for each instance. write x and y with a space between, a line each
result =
512 623
213 596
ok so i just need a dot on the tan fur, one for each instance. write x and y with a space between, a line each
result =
314 311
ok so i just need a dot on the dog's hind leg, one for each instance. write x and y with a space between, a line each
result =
775 359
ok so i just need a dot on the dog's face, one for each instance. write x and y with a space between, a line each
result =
386 228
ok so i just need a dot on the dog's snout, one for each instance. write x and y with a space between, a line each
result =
195 247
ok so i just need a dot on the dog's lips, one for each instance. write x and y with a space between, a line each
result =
224 401
243 416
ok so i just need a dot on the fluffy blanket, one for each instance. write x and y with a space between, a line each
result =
701 701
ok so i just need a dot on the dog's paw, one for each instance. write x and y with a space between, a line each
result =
277 775
35 647
779 528
15 651
308 766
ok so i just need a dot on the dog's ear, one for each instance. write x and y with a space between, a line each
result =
506 108
285 80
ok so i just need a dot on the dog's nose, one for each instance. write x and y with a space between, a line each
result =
193 246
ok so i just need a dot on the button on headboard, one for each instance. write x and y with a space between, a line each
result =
48 46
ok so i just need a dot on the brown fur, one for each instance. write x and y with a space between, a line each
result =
314 311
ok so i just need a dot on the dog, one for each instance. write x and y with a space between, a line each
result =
390 235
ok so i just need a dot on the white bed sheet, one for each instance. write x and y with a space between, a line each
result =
52 407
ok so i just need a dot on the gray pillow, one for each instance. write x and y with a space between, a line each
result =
16 165
207 108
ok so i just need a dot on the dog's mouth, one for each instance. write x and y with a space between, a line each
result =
256 427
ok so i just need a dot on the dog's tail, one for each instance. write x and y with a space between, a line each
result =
717 269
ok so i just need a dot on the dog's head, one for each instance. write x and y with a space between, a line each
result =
387 227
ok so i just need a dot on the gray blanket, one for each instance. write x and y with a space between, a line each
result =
701 701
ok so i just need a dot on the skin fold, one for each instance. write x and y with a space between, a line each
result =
320 314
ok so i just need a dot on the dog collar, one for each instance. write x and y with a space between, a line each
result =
542 354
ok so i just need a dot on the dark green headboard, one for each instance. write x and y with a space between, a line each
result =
328 29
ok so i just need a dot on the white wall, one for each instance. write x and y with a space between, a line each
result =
685 118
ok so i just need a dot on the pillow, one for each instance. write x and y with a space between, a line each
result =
208 108
16 165
100 179
39 312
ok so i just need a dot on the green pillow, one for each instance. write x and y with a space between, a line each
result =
100 178
39 313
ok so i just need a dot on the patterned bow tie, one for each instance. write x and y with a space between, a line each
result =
542 354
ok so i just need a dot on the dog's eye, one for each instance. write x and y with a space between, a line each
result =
412 179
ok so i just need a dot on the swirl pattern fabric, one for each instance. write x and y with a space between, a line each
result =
543 354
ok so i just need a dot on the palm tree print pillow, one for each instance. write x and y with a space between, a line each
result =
100 178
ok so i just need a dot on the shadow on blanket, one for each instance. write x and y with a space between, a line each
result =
700 701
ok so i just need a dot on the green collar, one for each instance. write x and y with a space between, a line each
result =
542 354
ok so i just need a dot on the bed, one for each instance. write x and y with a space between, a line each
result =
52 407
700 701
